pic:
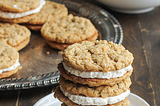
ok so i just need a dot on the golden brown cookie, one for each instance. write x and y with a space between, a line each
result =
62 46
49 11
18 6
70 29
92 81
58 94
97 56
14 35
9 60
100 91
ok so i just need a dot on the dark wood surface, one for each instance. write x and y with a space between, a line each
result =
141 37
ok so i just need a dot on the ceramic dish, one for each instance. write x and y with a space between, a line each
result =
49 100
131 6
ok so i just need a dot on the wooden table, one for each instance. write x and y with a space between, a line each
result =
141 37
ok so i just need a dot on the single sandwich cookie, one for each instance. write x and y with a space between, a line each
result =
99 91
68 30
18 6
22 17
50 11
9 60
14 35
69 99
96 63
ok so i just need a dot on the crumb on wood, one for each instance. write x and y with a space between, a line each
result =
48 53
60 52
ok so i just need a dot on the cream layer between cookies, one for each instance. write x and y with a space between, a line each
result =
107 75
98 101
13 67
19 15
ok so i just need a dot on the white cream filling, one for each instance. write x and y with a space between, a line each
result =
107 75
13 67
19 15
82 100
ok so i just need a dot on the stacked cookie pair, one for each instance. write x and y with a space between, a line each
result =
95 73
13 38
62 32
32 13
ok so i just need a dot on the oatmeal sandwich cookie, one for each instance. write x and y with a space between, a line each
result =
50 11
9 60
61 33
68 102
19 11
14 35
95 73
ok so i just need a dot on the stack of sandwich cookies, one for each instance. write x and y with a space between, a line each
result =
19 11
50 11
62 32
9 60
95 73
14 35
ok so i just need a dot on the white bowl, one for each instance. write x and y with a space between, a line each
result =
131 6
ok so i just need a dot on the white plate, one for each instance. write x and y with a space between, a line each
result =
49 100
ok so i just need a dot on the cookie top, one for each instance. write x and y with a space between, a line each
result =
13 34
97 56
8 56
68 29
18 6
49 11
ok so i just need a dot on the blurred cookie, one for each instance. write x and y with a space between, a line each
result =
14 35
18 6
50 11
67 100
17 16
9 60
68 30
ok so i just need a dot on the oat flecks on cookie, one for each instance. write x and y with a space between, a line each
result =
18 6
49 11
14 35
68 29
97 56
99 91
8 56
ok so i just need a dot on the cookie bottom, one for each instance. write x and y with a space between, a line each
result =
62 46
24 19
9 73
33 27
67 102
22 44
90 81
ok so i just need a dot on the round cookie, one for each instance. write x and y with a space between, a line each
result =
97 56
92 82
70 29
14 35
100 91
18 6
49 11
8 60
67 102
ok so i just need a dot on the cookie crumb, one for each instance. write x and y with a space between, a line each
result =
60 52
48 53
